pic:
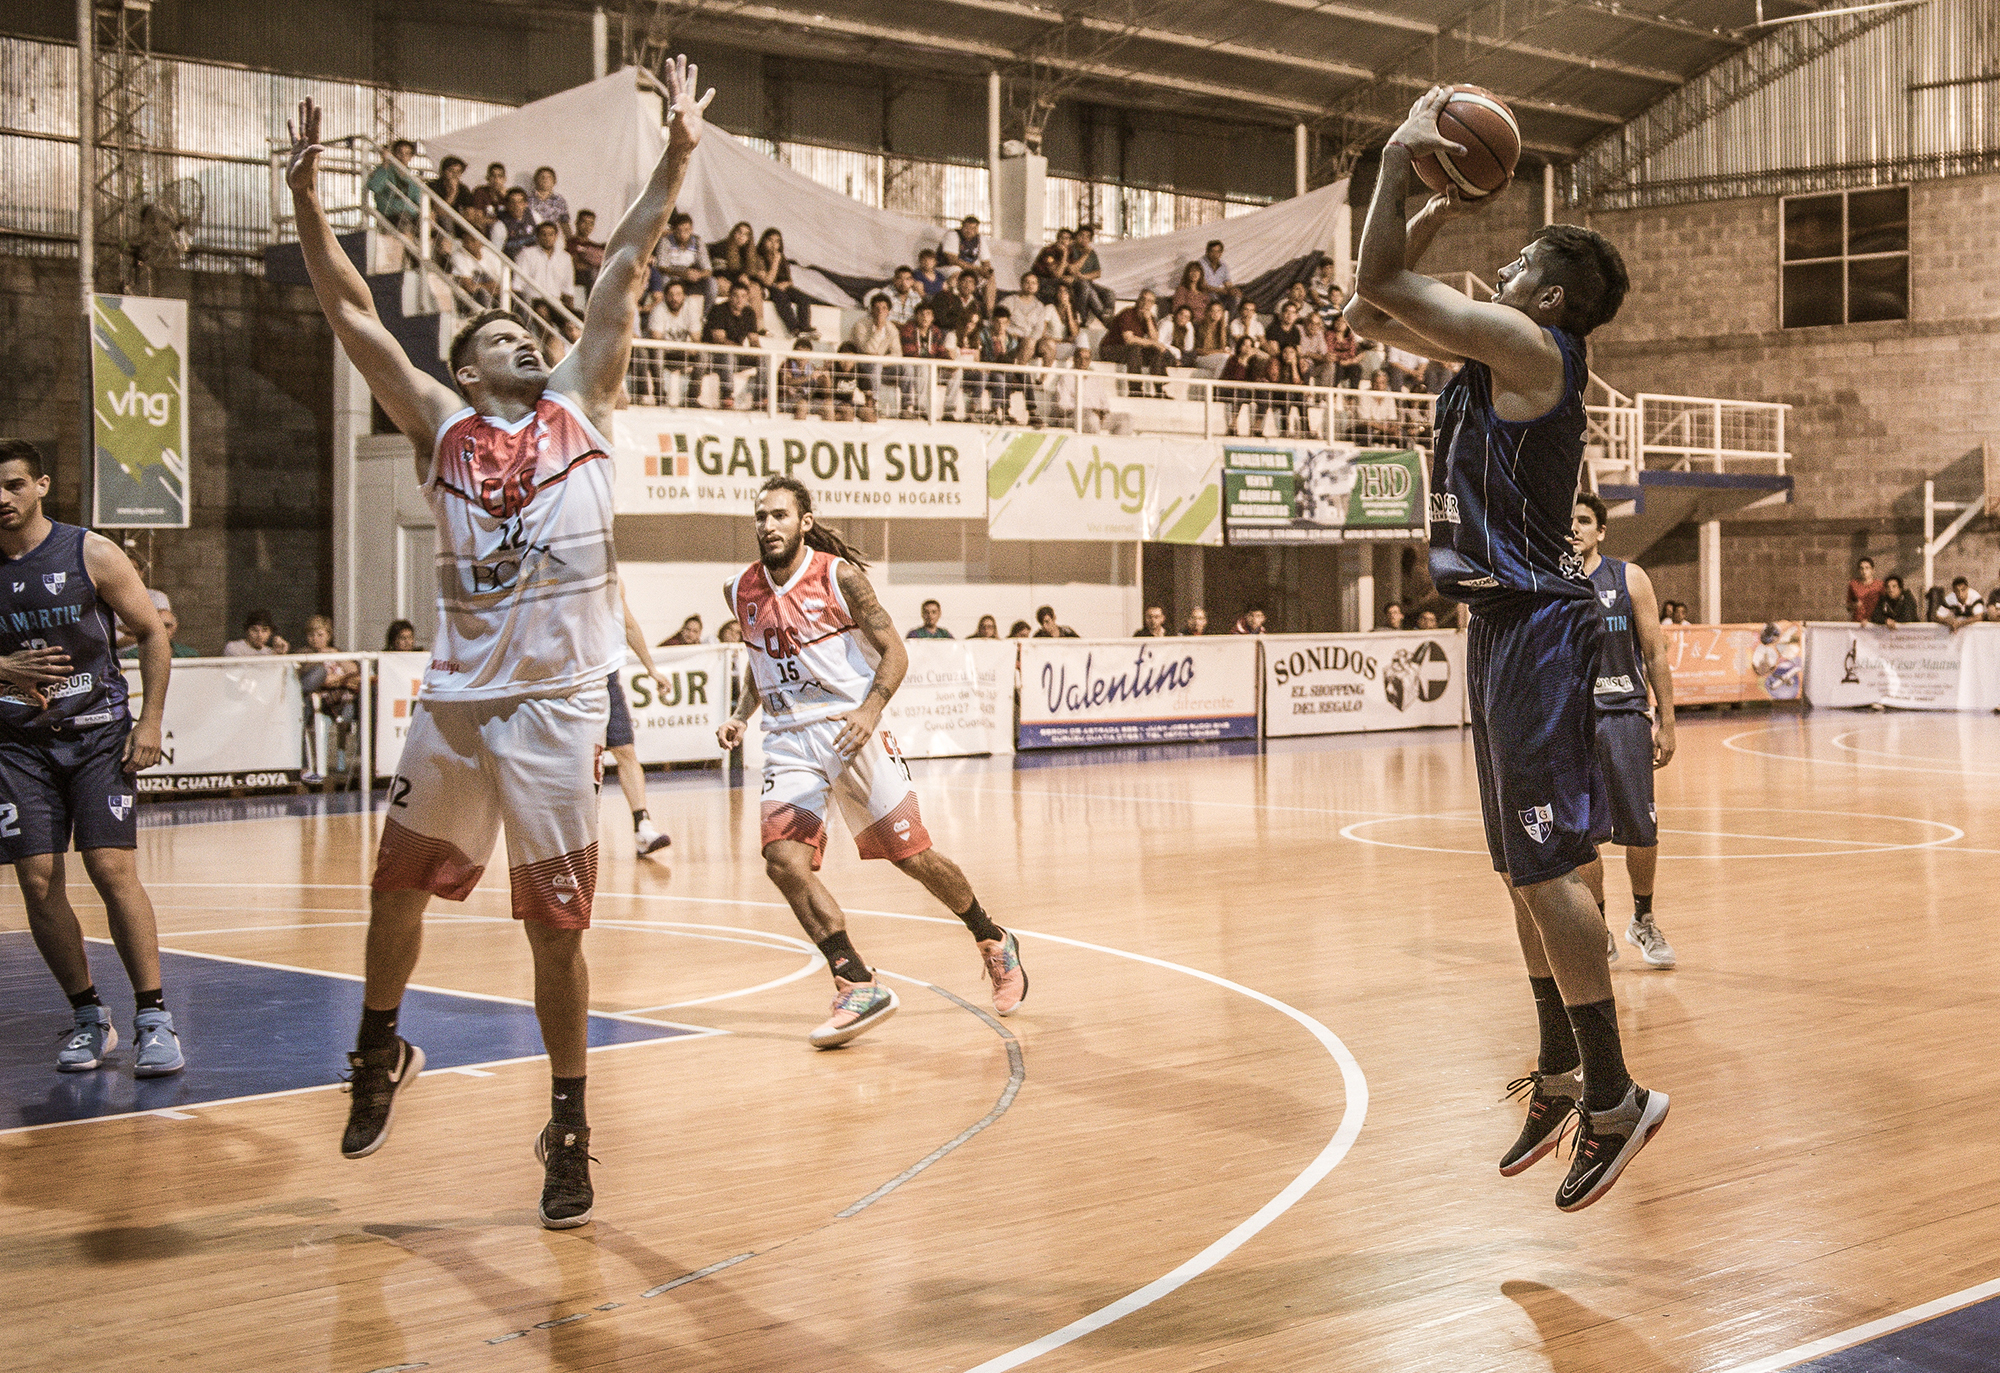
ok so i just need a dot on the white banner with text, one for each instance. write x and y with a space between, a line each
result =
1049 484
958 699
1346 683
230 723
1915 667
1137 691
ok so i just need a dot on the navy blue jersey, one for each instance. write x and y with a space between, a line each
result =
1502 492
1621 672
47 599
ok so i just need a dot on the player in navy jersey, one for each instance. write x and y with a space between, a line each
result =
1631 742
68 749
1509 450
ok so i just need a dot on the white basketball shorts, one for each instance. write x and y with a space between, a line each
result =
802 765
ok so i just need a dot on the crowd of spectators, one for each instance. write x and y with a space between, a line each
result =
1887 601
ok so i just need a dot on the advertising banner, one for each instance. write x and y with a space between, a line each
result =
1713 664
1096 487
1346 683
702 462
674 721
138 386
398 676
1137 691
229 723
1320 493
1916 667
958 699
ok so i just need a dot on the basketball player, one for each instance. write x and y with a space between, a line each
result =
68 748
824 660
622 744
1630 743
1509 449
509 727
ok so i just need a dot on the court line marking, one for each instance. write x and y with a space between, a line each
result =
1861 1334
1870 847
1768 732
1840 741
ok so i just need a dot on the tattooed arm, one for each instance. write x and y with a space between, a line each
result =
873 624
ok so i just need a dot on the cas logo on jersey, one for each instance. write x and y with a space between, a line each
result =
53 582
1539 822
750 615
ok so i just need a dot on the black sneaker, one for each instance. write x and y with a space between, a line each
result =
564 1153
377 1078
1552 1099
1606 1142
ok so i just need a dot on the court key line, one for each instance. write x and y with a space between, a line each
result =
1861 1334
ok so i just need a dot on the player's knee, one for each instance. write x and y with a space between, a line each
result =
37 876
788 870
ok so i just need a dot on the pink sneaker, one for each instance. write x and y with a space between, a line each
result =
1004 970
857 1007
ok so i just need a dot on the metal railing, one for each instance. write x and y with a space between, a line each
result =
1701 434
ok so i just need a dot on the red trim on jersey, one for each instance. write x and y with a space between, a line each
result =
783 820
898 835
496 470
557 891
408 861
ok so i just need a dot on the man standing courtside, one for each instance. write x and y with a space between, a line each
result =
1509 448
68 749
824 661
514 707
1631 741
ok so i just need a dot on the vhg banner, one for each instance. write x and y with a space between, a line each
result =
1137 691
1048 484
138 384
1346 683
957 700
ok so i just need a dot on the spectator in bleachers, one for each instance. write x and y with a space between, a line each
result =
1289 370
1246 324
544 266
1215 279
1437 376
989 628
489 198
1961 605
730 633
1034 323
929 279
450 185
1284 331
1051 273
397 194
1298 295
586 252
1427 619
1896 606
330 689
688 633
400 637
965 250
962 343
1197 623
676 319
1088 297
903 295
1021 630
921 338
877 336
930 628
1392 619
1863 592
171 623
1245 365
803 381
514 228
952 306
1324 290
1078 392
1312 348
1405 369
1376 411
546 203
734 322
732 260
1212 348
1181 337
680 257
1370 357
998 343
260 638
1046 618
1155 626
1250 621
470 261
1343 354
851 397
1133 340
1189 292
772 271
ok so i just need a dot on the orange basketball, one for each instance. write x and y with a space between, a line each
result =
1480 122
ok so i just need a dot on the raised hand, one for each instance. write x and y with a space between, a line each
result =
302 172
1419 132
684 111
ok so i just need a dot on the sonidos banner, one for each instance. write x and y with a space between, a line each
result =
138 373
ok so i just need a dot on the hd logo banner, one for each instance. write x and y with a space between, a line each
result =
1347 683
138 374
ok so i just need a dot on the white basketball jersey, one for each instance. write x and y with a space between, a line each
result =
528 601
808 660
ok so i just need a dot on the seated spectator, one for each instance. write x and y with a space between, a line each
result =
1181 337
1133 340
1427 619
1212 348
172 624
1250 621
903 295
736 323
330 689
1894 605
545 202
1375 412
260 639
1155 626
450 185
851 397
1992 611
733 259
921 338
1370 357
995 342
1405 369
549 271
677 319
1246 324
397 194
1051 271
1033 323
1298 295
1197 623
1312 348
1680 612
1088 297
680 257
803 381
401 637
953 306
1285 331
965 250
989 628
1046 618
1189 292
1666 612
877 336
1215 279
1288 370
469 260
1863 592
586 252
1080 395
730 633
1021 630
1961 605
489 198
688 633
513 228
930 628
772 271
1328 299
1392 619
929 279
1248 363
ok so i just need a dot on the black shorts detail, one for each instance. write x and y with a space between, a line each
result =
618 730
73 786
1621 794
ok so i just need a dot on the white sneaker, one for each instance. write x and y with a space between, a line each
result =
1610 945
647 840
1652 945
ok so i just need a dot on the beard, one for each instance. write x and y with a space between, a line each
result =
784 555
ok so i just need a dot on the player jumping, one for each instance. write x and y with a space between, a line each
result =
530 624
1630 743
824 660
1509 450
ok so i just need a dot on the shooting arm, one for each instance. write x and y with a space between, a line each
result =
872 622
1368 321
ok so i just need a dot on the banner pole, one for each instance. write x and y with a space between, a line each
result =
86 246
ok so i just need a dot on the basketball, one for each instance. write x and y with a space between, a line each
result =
1480 122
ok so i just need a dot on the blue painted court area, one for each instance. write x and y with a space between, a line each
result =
246 1030
1963 1341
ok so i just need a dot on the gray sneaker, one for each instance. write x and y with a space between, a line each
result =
1610 945
1652 945
89 1042
156 1048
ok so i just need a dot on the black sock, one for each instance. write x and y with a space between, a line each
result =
566 1101
1642 906
979 923
378 1029
1604 1075
86 997
1558 1039
639 817
149 1001
843 959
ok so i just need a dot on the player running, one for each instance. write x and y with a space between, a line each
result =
68 749
1630 742
824 660
507 731
1509 449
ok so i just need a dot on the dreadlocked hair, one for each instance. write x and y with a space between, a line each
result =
820 536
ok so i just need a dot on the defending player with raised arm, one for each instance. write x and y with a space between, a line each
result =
1505 467
512 715
825 659
1631 742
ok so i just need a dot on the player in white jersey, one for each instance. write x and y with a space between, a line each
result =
510 723
824 660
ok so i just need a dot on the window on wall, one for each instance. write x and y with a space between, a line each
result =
1847 257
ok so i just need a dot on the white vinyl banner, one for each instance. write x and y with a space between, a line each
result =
230 723
702 462
1345 683
398 677
1137 691
958 699
674 720
1916 667
1047 484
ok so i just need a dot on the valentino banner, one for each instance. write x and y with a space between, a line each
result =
1346 683
1137 691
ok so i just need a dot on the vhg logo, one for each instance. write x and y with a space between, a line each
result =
1539 822
155 407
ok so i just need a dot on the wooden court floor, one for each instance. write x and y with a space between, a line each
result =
1252 1104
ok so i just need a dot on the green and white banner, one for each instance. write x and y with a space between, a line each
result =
1320 493
1043 484
138 371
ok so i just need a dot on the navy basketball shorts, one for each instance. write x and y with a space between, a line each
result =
1621 794
1529 676
618 731
69 786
